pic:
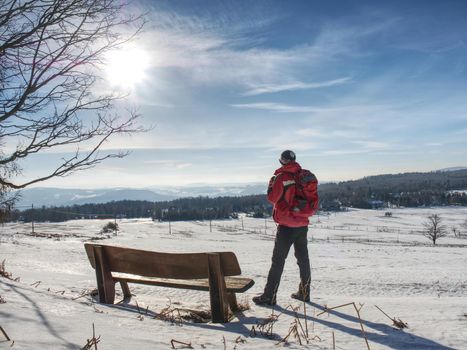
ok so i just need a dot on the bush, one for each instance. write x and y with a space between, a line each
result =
110 227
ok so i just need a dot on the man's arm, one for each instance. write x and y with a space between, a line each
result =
275 189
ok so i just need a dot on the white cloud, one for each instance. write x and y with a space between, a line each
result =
340 152
168 164
372 145
217 49
281 108
272 88
310 132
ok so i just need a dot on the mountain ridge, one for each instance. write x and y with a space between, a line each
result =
50 196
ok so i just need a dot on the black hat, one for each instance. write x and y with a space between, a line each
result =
287 156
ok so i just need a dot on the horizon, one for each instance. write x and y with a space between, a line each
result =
355 89
227 184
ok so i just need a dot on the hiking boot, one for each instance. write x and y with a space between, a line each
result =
301 297
264 300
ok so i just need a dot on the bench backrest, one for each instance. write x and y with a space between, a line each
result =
163 265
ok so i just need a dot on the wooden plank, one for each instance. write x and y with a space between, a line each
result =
163 265
217 292
105 283
233 284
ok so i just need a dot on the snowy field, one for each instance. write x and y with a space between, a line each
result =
359 256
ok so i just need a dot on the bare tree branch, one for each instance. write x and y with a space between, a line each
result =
49 54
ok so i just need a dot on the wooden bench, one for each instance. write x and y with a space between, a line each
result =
211 272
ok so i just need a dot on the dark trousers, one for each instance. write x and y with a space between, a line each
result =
285 237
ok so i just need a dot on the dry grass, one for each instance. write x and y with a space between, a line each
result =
265 327
87 292
177 315
398 323
6 274
92 343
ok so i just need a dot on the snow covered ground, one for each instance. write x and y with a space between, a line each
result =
359 256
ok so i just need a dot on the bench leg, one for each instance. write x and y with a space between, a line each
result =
232 302
217 290
105 282
125 290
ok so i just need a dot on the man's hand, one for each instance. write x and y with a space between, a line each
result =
271 183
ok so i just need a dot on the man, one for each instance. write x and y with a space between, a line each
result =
292 228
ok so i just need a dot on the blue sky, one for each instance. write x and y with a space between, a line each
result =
356 88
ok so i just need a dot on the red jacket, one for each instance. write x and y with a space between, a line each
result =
281 193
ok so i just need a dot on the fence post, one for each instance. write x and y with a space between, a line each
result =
32 218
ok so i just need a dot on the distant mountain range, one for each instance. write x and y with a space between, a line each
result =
455 168
50 196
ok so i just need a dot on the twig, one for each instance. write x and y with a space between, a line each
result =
85 293
265 327
397 323
304 293
313 323
139 310
292 330
361 324
6 274
359 318
333 341
240 340
173 341
35 284
92 341
327 309
4 333
97 310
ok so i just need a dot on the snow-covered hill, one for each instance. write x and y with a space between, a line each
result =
359 256
49 196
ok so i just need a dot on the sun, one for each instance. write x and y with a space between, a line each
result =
126 67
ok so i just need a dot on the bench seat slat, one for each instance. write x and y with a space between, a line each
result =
233 284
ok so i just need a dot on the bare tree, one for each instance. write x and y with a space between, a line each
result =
464 228
455 231
50 52
434 229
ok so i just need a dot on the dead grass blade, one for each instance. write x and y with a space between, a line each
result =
4 333
6 274
326 309
185 345
293 330
35 284
90 343
398 323
265 327
86 292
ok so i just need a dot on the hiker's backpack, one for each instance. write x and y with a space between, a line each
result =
306 193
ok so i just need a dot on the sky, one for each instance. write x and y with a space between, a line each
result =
355 88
